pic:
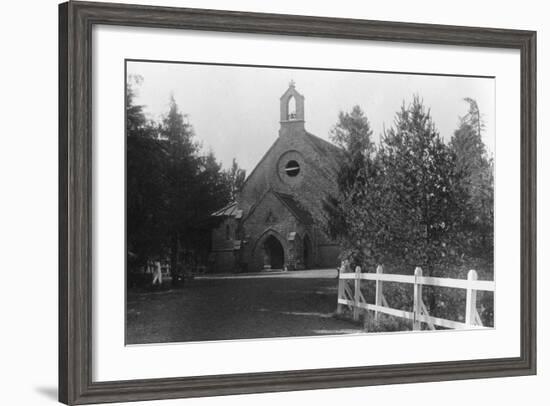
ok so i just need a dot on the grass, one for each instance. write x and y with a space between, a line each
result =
385 323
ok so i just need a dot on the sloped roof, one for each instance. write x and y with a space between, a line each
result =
295 207
232 209
326 148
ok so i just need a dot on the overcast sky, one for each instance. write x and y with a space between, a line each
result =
235 110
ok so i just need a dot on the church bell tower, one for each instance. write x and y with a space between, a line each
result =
292 111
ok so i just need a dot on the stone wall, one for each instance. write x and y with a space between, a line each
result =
223 257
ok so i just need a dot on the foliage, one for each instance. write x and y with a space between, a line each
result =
401 201
424 201
476 170
136 123
353 134
414 200
147 209
236 177
347 214
172 187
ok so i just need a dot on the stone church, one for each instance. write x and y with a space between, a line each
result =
277 220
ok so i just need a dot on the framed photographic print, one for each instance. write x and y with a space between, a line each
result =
260 202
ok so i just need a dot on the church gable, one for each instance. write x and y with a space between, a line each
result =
275 208
293 165
296 166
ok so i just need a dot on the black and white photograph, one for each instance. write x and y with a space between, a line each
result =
268 202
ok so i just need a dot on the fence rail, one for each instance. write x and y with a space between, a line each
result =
354 299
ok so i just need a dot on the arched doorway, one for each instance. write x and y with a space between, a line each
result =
307 252
274 253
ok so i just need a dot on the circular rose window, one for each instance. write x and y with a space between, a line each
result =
292 168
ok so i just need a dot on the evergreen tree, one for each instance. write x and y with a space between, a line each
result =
215 188
236 177
476 171
197 186
146 184
182 170
136 122
402 203
350 212
407 203
171 187
424 200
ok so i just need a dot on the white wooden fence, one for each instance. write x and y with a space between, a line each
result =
354 299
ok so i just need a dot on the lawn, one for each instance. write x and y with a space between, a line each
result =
227 307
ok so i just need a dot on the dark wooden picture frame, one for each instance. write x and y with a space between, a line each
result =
76 20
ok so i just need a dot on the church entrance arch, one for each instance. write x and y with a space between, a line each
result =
274 255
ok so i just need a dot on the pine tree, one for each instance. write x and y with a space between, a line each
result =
197 186
136 122
400 204
423 194
405 203
146 184
236 177
476 171
172 188
348 218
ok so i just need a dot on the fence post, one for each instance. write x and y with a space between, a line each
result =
341 282
417 305
471 297
379 292
357 292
